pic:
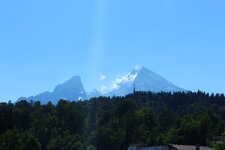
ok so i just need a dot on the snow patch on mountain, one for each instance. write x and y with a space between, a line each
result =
144 80
116 84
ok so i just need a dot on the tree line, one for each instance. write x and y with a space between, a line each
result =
141 118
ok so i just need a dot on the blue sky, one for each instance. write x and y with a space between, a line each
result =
45 42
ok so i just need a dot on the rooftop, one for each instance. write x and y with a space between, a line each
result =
189 147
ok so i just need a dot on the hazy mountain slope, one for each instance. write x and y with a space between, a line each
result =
94 93
72 89
143 79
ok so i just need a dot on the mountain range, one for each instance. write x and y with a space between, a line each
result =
140 79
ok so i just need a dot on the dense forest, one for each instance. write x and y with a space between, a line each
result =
105 123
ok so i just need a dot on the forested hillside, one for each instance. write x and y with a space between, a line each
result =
105 123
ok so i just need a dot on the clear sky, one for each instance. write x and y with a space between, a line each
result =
45 42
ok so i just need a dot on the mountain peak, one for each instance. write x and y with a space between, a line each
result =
74 78
138 69
72 90
144 80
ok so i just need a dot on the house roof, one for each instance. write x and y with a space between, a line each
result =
189 147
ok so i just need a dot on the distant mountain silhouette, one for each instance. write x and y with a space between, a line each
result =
70 90
142 79
94 93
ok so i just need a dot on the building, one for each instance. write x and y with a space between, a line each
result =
188 147
170 147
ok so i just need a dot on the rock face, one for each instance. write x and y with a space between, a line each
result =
72 90
143 79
